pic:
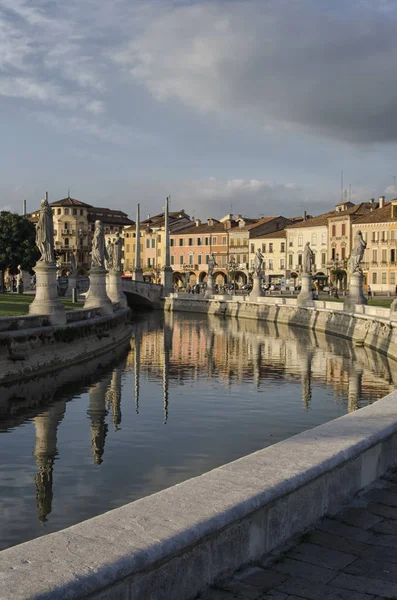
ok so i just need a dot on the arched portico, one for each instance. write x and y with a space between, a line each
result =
219 278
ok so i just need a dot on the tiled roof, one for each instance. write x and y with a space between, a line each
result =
322 219
379 215
203 228
252 223
70 202
108 215
275 234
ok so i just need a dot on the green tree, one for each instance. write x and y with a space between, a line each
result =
17 244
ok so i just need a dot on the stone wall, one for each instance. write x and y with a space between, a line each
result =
38 348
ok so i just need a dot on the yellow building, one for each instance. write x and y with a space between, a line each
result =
379 229
274 249
74 223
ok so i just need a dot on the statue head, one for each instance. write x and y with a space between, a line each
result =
307 243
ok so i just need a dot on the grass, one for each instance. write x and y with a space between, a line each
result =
14 305
383 303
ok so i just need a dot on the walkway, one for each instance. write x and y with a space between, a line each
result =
352 556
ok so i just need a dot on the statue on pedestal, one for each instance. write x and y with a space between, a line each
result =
45 233
258 262
211 264
308 259
357 253
109 257
117 252
98 252
72 265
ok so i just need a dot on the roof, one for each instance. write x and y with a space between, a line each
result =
203 228
159 220
322 220
318 221
356 209
280 234
252 223
379 215
70 202
108 215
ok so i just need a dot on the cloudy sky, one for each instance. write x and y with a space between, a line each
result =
253 106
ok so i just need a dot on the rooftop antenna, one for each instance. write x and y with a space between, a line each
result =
350 192
68 192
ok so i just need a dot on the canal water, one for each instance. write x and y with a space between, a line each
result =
190 393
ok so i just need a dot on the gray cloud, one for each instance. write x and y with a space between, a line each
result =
325 67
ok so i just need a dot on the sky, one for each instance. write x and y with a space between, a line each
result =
245 106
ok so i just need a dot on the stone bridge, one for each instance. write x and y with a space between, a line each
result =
141 293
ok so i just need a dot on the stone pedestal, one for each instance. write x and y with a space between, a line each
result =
305 296
114 288
97 296
137 275
46 300
355 294
26 281
167 276
72 283
393 310
210 286
257 290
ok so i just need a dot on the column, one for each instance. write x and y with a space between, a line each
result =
167 273
97 413
137 272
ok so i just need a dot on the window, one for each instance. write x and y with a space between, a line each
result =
374 256
375 236
81 211
238 242
270 247
75 211
67 226
127 247
252 248
244 258
314 239
181 241
66 242
224 260
300 260
191 257
59 211
384 255
207 241
343 229
393 235
323 238
392 256
333 254
263 247
181 259
199 259
214 240
282 247
323 259
172 242
172 259
393 278
153 242
300 240
290 243
238 258
384 278
282 263
66 211
290 260
207 258
343 253
270 265
375 278
199 241
333 230
148 243
190 242
384 236
224 240
159 239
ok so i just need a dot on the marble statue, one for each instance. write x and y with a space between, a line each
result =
308 259
357 253
98 252
45 233
109 262
72 266
117 253
258 262
211 264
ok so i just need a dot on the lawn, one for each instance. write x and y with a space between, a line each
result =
383 303
12 305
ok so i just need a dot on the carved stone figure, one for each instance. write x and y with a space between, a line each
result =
45 233
117 252
308 259
98 252
72 266
109 258
357 253
211 264
258 262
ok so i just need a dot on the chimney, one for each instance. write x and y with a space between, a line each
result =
210 221
198 222
305 215
381 201
24 208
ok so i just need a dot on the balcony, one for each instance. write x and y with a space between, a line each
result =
68 232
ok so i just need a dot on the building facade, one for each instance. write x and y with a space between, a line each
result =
273 246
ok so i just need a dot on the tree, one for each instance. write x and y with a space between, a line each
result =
17 244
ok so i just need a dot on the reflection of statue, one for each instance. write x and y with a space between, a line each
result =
357 253
308 259
109 255
117 251
99 252
45 233
258 262
211 264
72 266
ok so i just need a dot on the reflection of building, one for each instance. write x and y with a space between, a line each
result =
45 451
97 413
73 228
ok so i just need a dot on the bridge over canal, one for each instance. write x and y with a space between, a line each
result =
141 293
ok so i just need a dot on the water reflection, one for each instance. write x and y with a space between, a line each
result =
222 387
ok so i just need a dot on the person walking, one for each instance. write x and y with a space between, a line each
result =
369 292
